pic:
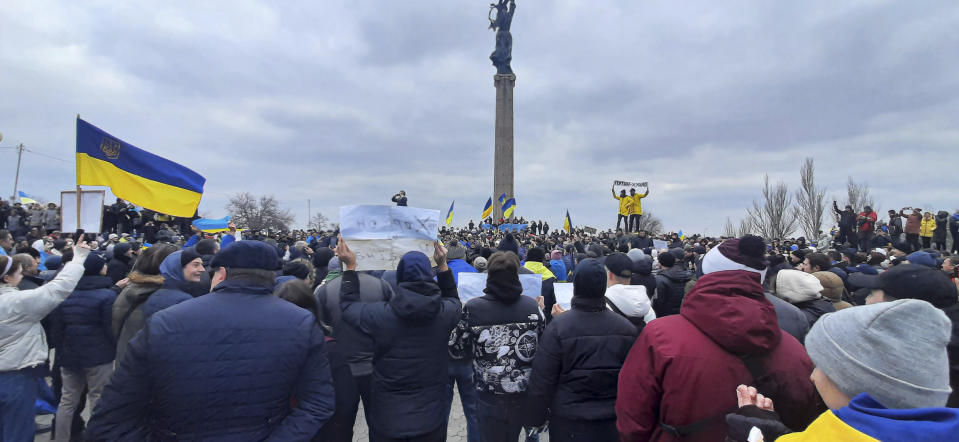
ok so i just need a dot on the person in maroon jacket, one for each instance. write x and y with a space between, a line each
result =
675 382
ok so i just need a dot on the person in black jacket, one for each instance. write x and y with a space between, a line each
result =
670 286
410 335
87 350
501 330
847 224
122 262
577 363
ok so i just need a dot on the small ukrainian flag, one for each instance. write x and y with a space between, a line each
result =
488 208
449 215
509 207
24 198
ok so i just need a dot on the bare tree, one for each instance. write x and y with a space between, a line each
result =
774 218
729 231
810 201
745 227
650 223
319 222
258 213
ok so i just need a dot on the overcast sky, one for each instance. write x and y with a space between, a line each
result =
347 102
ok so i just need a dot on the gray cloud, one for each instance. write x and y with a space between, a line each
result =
348 102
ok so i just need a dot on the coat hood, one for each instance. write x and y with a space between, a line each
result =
172 271
632 300
796 286
677 273
93 282
416 301
729 307
414 266
417 296
868 416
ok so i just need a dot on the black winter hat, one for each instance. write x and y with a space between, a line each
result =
206 247
296 268
188 255
93 264
620 265
666 259
508 244
589 279
121 248
535 254
247 255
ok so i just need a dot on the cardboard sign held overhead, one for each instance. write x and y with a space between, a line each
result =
381 235
91 210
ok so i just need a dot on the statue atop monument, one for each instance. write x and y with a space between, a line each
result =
503 53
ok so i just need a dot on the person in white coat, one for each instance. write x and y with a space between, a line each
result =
23 345
630 301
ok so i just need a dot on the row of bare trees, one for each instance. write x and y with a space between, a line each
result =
264 212
779 213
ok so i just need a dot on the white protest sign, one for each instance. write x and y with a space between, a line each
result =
471 285
381 235
91 210
630 184
659 244
564 294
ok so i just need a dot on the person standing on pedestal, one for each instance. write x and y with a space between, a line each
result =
625 207
637 212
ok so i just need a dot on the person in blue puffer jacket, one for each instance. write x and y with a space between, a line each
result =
87 350
223 367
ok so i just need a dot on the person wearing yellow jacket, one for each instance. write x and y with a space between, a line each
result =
926 229
625 207
637 211
882 370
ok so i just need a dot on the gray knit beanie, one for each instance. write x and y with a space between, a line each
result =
895 351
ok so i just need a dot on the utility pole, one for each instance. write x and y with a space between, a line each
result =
16 180
308 220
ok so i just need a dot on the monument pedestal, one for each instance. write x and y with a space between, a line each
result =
503 154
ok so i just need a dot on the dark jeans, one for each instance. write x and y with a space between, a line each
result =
634 223
499 417
913 240
955 241
437 435
461 373
865 241
926 242
622 219
18 392
562 430
349 391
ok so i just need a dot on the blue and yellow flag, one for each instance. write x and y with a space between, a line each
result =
24 198
135 175
449 215
488 208
681 236
568 223
502 198
509 207
213 225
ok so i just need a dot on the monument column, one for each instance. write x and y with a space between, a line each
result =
503 154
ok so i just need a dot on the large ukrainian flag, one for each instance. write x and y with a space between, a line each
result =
135 175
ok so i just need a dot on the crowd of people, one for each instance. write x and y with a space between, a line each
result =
185 335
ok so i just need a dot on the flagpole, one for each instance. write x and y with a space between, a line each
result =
77 240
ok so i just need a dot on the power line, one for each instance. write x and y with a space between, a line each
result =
45 155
